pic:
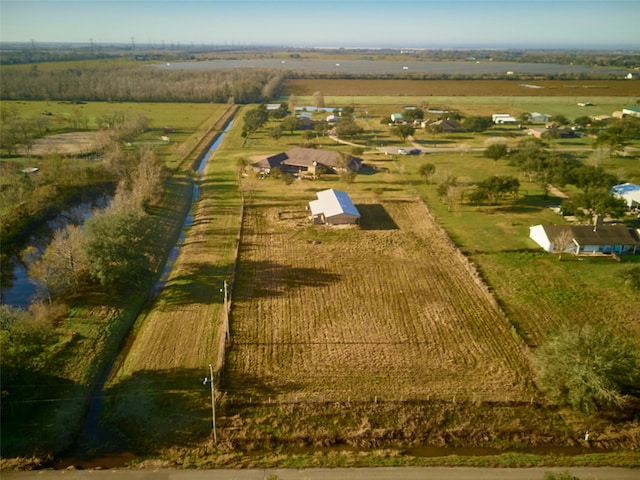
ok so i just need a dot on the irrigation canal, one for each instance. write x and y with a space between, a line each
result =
98 446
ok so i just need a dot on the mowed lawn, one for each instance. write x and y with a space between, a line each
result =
388 310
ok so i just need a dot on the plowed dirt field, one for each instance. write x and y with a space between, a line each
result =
388 310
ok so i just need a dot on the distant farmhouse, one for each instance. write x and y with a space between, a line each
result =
586 239
308 161
629 192
503 118
334 207
445 126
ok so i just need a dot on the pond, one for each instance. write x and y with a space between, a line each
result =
17 289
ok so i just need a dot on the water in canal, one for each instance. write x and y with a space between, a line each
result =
97 445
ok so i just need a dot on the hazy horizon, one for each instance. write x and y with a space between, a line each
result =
408 24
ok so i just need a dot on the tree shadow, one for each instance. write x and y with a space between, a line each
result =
156 409
31 401
516 208
375 217
266 279
250 387
201 283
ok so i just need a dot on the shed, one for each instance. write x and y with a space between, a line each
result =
536 117
629 192
397 118
333 207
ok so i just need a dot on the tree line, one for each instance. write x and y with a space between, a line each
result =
136 84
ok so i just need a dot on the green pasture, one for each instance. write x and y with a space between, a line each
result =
183 118
187 124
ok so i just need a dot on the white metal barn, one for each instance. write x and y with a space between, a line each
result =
502 118
334 207
629 192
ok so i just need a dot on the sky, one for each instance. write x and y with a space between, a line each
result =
581 24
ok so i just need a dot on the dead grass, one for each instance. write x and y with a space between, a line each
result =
74 143
365 314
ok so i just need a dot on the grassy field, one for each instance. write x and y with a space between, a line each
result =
475 97
187 122
375 338
372 336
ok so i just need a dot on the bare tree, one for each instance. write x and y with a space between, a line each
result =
562 242
293 101
63 266
318 99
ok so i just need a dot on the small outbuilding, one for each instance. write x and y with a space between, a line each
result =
536 117
333 207
397 118
503 119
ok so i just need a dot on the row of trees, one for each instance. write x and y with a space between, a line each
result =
548 167
136 84
114 248
112 251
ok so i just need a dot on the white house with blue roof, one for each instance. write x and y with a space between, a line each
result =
629 192
334 207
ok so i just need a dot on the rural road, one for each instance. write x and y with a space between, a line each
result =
379 473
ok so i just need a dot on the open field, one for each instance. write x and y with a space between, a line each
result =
388 311
338 334
376 336
468 88
471 97
186 122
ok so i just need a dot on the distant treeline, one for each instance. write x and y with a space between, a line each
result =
562 57
140 84
15 54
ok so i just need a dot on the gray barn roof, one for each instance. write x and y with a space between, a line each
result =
594 235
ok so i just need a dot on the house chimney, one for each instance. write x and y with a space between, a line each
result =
597 220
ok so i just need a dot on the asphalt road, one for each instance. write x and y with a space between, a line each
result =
380 473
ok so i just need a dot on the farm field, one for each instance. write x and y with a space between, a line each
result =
467 88
379 336
388 311
338 333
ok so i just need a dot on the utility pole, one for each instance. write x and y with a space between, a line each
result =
213 405
226 311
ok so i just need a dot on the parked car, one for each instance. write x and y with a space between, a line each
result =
402 151
415 151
